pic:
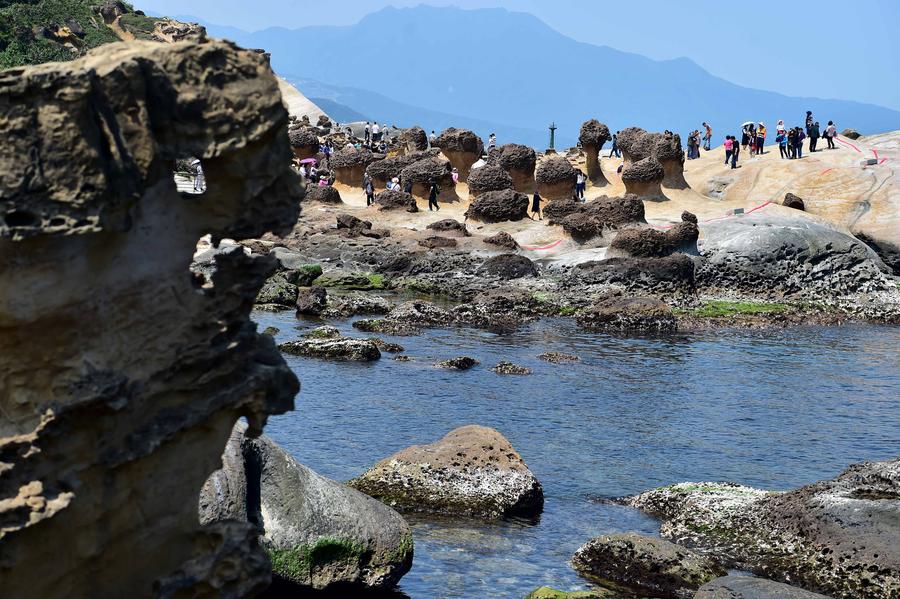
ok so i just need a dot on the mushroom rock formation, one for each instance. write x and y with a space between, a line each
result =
121 387
670 154
555 211
589 220
304 142
519 161
386 169
593 135
350 165
498 206
636 144
323 122
555 178
643 178
461 147
490 177
413 139
423 172
326 194
391 199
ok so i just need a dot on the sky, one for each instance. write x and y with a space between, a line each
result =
822 48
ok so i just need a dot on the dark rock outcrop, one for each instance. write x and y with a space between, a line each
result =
386 169
472 471
311 301
413 139
461 147
672 273
508 368
555 178
423 172
664 149
490 177
628 314
319 534
304 142
498 206
649 565
349 165
519 161
651 243
840 536
437 241
589 220
325 194
508 266
341 349
556 210
503 240
392 199
748 587
792 201
592 137
851 134
458 363
121 386
449 225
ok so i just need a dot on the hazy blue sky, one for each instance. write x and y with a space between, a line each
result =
825 48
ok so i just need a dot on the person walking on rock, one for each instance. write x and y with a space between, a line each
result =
809 123
455 174
760 138
707 139
370 190
782 141
492 142
367 134
735 153
729 148
580 184
432 138
407 186
798 141
433 192
199 179
830 132
745 135
615 146
536 207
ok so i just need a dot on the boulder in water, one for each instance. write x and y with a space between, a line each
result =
341 349
472 471
319 533
459 363
649 565
508 368
312 301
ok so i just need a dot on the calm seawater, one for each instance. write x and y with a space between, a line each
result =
772 409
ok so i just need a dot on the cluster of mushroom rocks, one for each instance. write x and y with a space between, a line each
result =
462 148
651 161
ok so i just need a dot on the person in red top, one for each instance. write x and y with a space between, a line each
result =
729 148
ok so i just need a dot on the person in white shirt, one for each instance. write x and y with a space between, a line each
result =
376 132
830 133
199 180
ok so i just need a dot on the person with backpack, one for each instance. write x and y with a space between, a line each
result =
370 190
433 192
814 137
781 140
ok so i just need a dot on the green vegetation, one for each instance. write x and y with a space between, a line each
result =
28 28
306 274
297 564
141 26
566 311
724 308
360 281
550 593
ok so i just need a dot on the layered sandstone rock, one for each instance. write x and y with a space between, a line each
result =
471 471
555 178
592 137
349 165
123 373
519 161
461 147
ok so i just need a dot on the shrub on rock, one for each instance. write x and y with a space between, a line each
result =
472 471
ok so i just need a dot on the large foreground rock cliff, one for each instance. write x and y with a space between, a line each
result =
121 372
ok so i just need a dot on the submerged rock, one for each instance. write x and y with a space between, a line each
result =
650 565
460 363
318 533
345 349
504 367
629 314
551 593
558 357
472 471
747 587
838 536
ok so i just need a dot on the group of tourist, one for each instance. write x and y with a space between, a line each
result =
394 184
311 174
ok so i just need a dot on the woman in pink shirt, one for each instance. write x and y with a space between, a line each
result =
729 148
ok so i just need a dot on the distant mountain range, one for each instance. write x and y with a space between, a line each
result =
492 69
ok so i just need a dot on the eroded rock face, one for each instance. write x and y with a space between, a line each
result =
325 194
672 273
472 471
644 178
121 386
592 137
503 240
414 139
304 142
792 201
349 165
519 161
586 221
555 178
391 199
747 587
498 206
629 314
386 169
423 172
317 532
509 266
662 150
649 565
490 177
839 536
461 147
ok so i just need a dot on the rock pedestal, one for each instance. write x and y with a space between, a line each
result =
555 178
349 165
461 147
519 161
592 137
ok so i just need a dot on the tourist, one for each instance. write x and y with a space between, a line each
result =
729 148
432 138
407 185
734 155
745 135
779 128
455 174
492 142
580 184
830 133
707 139
615 146
370 190
782 140
376 133
394 184
433 192
798 140
368 133
809 123
385 133
302 171
814 135
761 138
199 179
313 171
536 207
